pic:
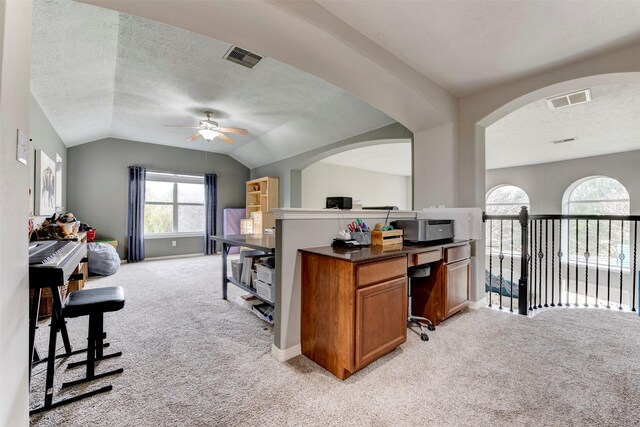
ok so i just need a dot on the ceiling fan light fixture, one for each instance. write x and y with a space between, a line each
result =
208 134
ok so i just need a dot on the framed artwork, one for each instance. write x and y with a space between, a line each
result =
45 194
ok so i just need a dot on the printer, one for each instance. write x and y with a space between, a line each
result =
425 230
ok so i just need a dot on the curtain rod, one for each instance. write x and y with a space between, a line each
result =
201 175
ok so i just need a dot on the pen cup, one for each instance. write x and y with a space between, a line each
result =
362 237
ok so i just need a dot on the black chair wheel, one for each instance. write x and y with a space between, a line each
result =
424 337
431 327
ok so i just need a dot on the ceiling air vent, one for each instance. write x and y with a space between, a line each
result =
242 57
562 141
569 99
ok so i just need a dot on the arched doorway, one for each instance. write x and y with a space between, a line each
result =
373 175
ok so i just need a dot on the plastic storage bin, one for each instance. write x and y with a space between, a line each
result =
236 270
265 291
266 274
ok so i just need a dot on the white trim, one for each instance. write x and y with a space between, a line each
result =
159 258
173 177
475 305
173 235
286 354
295 213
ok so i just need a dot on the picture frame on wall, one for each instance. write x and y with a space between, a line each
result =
45 191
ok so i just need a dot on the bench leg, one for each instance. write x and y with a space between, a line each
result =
94 353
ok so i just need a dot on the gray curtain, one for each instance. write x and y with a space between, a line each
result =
135 222
210 209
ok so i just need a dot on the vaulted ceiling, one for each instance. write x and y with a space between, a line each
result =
97 72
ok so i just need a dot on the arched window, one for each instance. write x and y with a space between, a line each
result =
506 200
598 195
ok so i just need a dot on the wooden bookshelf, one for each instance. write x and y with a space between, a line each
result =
262 195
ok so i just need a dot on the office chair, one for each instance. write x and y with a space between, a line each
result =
415 272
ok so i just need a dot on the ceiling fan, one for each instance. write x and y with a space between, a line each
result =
208 129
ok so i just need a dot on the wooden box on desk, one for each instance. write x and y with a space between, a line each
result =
391 239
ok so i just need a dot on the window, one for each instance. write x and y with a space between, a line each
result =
599 195
174 204
504 200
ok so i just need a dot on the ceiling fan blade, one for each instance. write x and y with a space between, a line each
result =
234 130
225 138
194 137
184 127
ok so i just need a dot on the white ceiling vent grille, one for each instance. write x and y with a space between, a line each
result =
242 57
562 141
569 99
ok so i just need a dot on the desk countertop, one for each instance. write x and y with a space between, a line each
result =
371 253
257 241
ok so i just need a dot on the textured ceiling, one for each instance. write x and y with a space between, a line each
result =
98 73
393 158
467 46
610 123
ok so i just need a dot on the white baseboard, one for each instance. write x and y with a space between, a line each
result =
158 258
286 354
474 305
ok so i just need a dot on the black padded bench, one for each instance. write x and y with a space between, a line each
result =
94 303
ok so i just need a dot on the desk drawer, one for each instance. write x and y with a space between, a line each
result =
375 272
427 257
457 253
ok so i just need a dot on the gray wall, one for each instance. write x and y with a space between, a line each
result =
44 137
546 183
97 186
289 169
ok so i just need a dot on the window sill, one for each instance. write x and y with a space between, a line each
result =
172 235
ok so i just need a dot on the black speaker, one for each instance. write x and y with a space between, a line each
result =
339 202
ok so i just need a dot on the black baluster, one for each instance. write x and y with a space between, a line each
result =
621 257
597 260
511 292
523 282
568 260
540 256
546 261
530 261
586 270
553 261
490 260
534 254
609 268
576 303
501 257
560 263
634 272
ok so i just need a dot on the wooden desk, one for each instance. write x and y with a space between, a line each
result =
354 302
352 312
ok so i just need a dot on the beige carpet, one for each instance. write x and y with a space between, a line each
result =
192 359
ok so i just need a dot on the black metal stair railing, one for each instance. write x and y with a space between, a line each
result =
561 247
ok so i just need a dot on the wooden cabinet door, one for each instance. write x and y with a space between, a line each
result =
381 320
456 287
